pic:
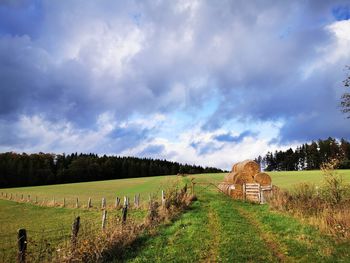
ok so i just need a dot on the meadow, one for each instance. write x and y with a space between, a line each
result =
230 222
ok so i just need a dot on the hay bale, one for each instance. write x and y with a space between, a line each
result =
248 166
230 178
262 179
237 193
243 178
224 187
234 168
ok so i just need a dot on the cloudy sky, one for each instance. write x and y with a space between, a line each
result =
204 82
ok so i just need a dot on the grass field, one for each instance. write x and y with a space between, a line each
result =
284 179
218 229
96 190
224 239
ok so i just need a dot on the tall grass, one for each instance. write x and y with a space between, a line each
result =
326 206
119 236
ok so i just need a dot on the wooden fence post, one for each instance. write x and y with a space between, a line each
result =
117 202
89 203
11 196
77 203
260 195
22 245
22 197
64 202
126 201
54 201
75 230
36 199
28 198
163 198
124 213
104 219
244 194
103 203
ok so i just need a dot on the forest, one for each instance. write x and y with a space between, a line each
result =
308 156
45 168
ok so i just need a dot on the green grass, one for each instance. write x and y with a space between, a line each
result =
218 229
96 190
284 179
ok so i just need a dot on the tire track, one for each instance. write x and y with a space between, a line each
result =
269 238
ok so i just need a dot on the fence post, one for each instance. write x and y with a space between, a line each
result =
126 201
260 195
244 194
117 202
64 202
103 203
75 230
77 203
36 199
21 197
124 213
28 198
54 201
138 200
11 196
163 198
104 219
22 245
89 203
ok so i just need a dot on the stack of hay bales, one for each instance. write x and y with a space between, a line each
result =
244 172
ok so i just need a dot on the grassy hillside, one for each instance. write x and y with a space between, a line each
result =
96 190
284 179
218 225
218 229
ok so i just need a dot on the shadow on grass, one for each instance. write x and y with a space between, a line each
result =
142 241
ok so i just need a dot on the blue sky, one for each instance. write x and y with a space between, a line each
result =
204 82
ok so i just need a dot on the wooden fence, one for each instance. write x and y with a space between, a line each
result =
256 193
23 237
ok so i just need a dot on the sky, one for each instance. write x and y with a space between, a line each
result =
198 82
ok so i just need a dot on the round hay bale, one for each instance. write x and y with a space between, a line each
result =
234 168
249 167
237 193
230 178
224 187
243 178
262 179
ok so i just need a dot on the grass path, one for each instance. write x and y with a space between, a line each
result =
218 229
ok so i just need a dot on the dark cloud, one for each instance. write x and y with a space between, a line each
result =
228 137
203 148
64 62
341 12
126 138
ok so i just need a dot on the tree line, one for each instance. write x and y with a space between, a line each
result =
44 168
308 156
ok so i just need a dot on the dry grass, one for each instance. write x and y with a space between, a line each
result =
327 207
110 243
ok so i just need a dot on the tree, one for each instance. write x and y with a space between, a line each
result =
345 98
